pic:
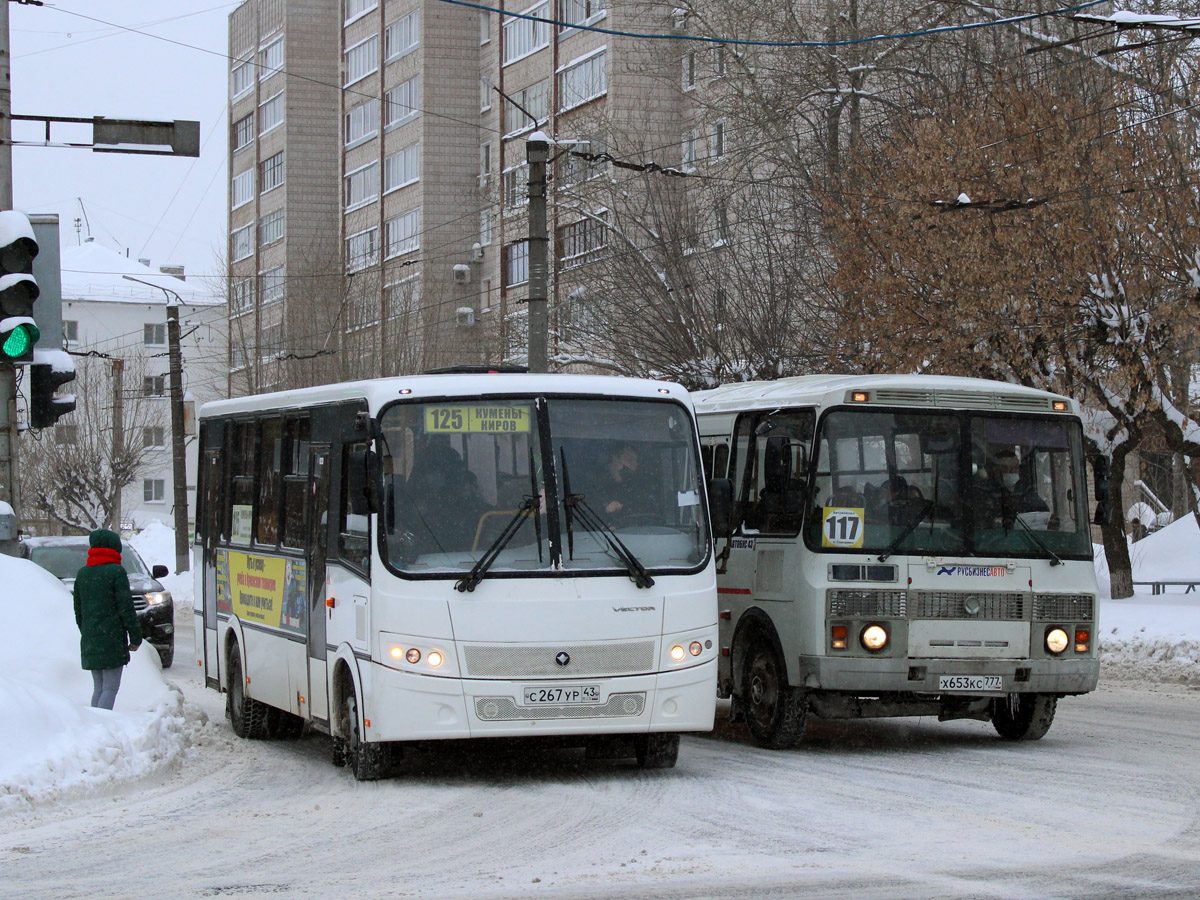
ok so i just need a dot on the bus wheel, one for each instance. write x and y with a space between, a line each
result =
1023 717
775 713
247 716
656 751
367 759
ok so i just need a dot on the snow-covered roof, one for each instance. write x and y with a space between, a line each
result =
93 272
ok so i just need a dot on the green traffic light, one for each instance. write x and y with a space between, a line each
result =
19 342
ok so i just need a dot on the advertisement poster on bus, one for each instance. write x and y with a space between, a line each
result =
265 590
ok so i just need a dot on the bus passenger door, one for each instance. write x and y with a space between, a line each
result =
318 535
205 605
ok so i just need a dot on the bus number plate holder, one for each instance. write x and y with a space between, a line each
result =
971 683
562 695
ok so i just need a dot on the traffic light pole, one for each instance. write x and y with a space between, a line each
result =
9 481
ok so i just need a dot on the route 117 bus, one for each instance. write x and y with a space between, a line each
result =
900 545
458 556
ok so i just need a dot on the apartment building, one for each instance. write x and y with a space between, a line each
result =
394 237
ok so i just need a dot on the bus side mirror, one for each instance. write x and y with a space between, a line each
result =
1101 469
374 485
720 506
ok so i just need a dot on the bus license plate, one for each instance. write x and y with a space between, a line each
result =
559 695
971 683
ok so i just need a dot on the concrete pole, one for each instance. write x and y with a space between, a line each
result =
537 152
178 461
9 480
118 433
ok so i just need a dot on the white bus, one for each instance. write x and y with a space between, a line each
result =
458 556
899 546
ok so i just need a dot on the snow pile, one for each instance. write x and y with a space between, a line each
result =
53 743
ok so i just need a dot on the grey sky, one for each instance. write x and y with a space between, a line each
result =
64 63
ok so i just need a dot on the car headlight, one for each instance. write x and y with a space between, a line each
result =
1056 640
874 638
157 598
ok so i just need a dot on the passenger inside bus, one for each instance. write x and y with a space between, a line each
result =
1005 491
439 504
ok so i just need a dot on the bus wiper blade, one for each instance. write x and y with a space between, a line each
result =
1054 560
472 578
569 517
592 520
912 526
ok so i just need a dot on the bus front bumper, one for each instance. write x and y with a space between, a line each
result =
870 675
419 707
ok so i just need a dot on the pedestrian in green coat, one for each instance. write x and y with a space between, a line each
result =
108 624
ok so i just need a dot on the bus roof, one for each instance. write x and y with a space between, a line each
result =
379 391
929 391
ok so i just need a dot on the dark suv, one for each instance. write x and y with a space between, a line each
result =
63 557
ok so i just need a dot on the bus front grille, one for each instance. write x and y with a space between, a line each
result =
584 660
503 709
1063 607
867 603
1008 606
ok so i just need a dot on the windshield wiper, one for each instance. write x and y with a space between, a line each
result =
577 505
1054 560
912 526
569 518
472 578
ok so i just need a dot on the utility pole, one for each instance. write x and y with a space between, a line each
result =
178 459
537 153
118 432
9 480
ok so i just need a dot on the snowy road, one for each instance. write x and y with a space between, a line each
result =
1106 806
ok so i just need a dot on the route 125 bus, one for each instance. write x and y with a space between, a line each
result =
458 556
900 545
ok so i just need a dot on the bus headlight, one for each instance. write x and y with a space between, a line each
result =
874 638
1056 640
413 655
695 648
434 658
677 653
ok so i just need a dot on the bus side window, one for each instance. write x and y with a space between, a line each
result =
354 533
242 476
297 433
720 461
270 447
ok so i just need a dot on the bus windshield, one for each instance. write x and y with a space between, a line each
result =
539 483
940 483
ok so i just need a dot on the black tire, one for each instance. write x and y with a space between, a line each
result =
656 751
166 655
368 760
775 713
247 716
1023 717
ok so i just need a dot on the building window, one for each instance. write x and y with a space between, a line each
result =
154 335
485 94
153 437
362 186
525 36
716 146
66 434
516 185
242 78
272 285
270 228
362 309
720 220
270 59
485 164
243 132
362 59
582 241
718 61
153 490
535 99
402 103
583 80
154 386
362 250
577 169
402 36
272 342
516 263
243 188
238 357
579 12
401 168
689 150
70 331
241 296
242 242
485 228
271 172
362 122
403 233
270 113
356 8
689 70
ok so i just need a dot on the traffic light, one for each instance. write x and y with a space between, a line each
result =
18 288
44 407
